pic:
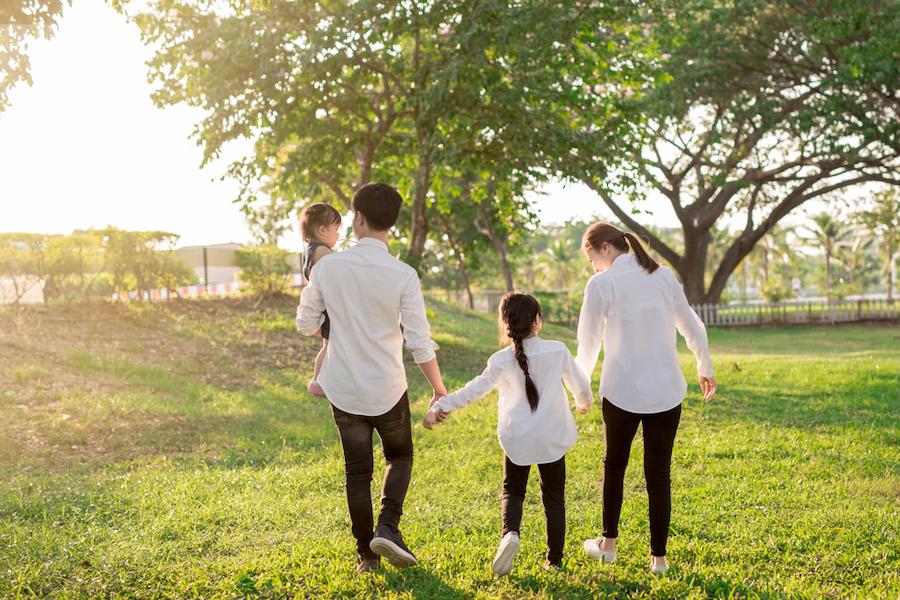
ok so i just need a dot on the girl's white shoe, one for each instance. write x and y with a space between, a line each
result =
594 549
506 552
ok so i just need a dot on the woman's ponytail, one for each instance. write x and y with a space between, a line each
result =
646 261
600 232
518 315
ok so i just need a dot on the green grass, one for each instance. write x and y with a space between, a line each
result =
172 451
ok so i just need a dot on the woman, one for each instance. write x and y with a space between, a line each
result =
633 307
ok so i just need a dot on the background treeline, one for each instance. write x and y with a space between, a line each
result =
91 263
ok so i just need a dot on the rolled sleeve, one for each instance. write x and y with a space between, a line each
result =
416 330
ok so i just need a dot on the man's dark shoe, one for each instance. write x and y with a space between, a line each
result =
388 542
367 564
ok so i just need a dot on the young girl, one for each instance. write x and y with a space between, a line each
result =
320 226
535 425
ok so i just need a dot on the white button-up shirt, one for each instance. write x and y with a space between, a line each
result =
634 315
538 437
368 294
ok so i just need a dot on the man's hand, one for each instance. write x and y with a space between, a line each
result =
708 387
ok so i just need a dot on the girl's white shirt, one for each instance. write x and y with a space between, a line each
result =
527 437
634 316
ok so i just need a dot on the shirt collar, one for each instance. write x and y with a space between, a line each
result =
531 341
370 241
623 261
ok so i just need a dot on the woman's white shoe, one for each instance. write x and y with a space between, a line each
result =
658 568
506 552
594 549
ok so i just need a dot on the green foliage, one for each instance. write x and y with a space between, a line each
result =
757 107
20 22
774 292
265 270
337 94
92 262
141 261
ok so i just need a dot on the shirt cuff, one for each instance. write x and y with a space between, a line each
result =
582 401
423 355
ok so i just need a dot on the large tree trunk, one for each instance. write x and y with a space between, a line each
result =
693 268
419 226
465 277
890 274
485 226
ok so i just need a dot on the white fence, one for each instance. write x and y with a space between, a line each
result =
846 311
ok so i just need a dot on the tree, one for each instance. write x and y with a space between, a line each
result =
829 233
883 220
20 22
264 269
337 94
17 263
757 107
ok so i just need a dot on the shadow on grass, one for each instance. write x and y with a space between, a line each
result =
422 583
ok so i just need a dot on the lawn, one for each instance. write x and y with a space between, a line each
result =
172 451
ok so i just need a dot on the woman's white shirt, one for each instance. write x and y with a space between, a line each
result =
527 437
634 316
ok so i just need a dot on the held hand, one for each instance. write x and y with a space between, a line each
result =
708 387
582 411
429 420
438 394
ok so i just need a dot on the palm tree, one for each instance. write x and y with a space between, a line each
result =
829 233
771 250
883 220
855 254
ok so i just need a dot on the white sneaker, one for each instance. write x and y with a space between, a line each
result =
593 549
506 552
658 568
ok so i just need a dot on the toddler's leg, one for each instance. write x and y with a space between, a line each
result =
314 388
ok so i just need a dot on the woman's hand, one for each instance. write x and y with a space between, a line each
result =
433 416
708 387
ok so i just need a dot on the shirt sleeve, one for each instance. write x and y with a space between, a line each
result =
474 390
577 382
311 312
416 330
691 329
591 327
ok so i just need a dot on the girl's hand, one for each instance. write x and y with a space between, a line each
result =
582 410
708 387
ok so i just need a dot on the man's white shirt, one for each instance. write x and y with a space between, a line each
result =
368 294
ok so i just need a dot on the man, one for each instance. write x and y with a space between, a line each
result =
369 294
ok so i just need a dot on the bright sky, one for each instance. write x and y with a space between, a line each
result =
85 146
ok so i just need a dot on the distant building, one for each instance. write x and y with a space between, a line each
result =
221 264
